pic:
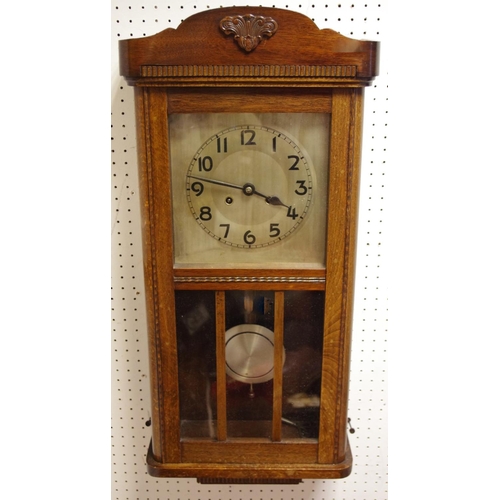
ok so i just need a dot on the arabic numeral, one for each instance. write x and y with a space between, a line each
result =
274 230
205 164
292 213
197 188
296 160
205 213
226 232
221 145
301 190
249 238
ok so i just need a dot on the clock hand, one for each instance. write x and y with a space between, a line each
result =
213 181
248 189
272 200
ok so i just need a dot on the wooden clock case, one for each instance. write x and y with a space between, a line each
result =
265 60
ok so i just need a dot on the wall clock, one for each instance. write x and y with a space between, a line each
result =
249 138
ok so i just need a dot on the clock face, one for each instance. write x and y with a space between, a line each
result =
249 186
249 190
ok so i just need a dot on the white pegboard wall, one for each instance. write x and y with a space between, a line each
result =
130 378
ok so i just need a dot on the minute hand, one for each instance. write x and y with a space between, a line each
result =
247 188
213 181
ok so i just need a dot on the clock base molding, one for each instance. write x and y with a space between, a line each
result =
223 480
226 473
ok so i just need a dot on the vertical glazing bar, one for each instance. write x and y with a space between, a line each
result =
279 318
220 347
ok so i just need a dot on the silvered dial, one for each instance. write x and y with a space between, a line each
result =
249 186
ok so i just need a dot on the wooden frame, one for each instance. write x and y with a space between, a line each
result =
181 71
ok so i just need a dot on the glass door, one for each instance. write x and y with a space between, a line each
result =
250 364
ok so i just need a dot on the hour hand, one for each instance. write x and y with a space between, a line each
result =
249 189
274 200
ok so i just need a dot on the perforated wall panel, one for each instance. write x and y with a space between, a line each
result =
130 385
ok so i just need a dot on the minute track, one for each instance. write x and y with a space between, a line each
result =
259 162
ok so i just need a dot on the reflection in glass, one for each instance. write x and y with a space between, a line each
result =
197 369
249 361
303 339
250 401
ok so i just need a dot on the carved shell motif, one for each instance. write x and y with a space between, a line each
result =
248 29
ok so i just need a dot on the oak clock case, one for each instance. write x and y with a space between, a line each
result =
249 125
